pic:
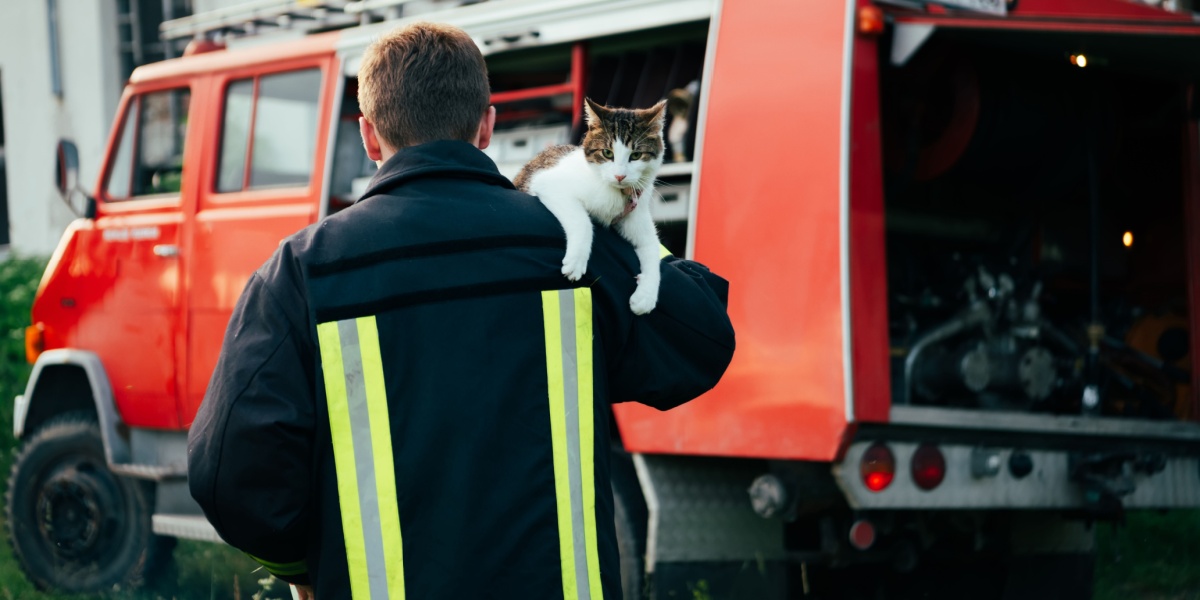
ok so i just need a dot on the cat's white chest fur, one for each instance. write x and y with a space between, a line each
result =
577 192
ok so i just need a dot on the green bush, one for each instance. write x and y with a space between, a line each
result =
18 285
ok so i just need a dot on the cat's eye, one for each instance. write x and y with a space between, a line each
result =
635 156
606 153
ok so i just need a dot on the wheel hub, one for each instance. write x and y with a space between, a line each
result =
69 513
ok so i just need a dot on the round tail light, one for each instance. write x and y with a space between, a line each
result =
862 534
878 467
928 467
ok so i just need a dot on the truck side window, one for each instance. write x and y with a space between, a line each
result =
273 120
149 159
239 106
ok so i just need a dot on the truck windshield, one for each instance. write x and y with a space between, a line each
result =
149 159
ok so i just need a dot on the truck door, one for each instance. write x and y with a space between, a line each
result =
263 182
131 257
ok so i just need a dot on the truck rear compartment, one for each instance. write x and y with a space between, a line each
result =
1037 225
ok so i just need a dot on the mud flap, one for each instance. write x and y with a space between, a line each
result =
704 539
1050 577
1052 558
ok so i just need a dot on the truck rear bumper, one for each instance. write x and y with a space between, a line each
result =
1012 477
1035 424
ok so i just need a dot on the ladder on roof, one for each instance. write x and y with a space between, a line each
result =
251 18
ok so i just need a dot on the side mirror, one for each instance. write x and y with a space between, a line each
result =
68 167
67 172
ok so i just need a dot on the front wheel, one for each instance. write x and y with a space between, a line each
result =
73 524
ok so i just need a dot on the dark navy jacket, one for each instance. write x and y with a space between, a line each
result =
411 397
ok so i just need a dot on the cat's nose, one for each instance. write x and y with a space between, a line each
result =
620 178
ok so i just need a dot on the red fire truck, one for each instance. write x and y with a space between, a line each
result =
963 238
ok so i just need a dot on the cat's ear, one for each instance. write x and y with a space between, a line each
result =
593 111
656 114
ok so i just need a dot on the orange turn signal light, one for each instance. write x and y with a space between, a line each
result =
870 20
35 342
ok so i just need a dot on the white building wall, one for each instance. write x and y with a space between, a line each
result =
34 118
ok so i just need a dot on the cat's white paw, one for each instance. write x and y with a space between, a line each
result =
574 268
643 300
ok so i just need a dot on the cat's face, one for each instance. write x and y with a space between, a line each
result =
624 147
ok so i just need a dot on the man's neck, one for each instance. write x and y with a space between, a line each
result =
385 152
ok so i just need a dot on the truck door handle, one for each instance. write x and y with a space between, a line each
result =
166 250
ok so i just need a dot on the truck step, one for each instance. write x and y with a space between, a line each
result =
188 527
151 472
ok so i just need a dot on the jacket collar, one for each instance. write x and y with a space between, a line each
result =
445 158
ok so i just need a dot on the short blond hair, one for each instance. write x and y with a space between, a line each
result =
422 83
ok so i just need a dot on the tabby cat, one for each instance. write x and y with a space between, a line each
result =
607 179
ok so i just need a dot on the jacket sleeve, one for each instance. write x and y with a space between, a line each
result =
250 448
682 348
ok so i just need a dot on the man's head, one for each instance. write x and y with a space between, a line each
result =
423 83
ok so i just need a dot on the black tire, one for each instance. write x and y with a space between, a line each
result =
74 525
632 560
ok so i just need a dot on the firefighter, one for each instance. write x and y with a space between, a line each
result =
411 400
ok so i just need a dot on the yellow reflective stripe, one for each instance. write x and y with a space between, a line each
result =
343 456
558 434
583 350
356 394
292 568
567 318
381 447
663 252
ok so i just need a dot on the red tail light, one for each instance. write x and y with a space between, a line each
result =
878 467
928 467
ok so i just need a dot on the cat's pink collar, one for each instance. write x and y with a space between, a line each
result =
631 197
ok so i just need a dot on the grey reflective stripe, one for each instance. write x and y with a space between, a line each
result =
570 368
364 458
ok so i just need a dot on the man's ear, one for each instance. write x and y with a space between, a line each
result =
370 139
486 125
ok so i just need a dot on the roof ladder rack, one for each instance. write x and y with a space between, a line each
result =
372 11
251 17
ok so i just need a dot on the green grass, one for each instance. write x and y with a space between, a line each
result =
1154 556
199 571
